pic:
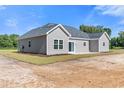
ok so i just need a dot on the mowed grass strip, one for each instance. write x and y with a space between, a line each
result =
42 59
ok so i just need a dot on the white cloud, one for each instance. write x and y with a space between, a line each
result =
11 22
2 7
113 10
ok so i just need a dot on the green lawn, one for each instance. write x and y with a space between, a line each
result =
42 59
118 47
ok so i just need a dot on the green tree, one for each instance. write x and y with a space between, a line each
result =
13 38
108 30
121 38
114 42
92 29
118 41
5 41
8 41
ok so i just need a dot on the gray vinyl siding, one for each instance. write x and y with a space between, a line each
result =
57 34
38 45
93 45
79 47
102 39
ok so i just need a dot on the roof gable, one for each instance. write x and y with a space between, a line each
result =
106 35
63 29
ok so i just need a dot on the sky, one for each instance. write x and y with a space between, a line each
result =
20 19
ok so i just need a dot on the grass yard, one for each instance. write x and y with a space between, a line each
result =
42 59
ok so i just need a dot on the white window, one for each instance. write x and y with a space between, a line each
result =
58 44
55 44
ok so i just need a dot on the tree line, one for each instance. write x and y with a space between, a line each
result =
118 41
8 41
115 41
92 29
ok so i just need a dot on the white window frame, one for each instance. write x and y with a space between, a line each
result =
58 45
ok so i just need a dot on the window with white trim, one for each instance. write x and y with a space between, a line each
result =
60 44
55 44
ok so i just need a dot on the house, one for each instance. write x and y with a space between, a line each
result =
52 39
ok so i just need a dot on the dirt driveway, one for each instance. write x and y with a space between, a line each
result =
102 71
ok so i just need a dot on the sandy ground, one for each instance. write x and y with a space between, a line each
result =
102 71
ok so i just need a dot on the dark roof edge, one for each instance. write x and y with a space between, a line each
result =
31 37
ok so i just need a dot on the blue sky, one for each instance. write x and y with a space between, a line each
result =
20 19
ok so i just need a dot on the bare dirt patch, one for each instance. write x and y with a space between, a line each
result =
101 71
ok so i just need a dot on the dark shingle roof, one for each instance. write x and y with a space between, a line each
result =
40 31
73 31
95 35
